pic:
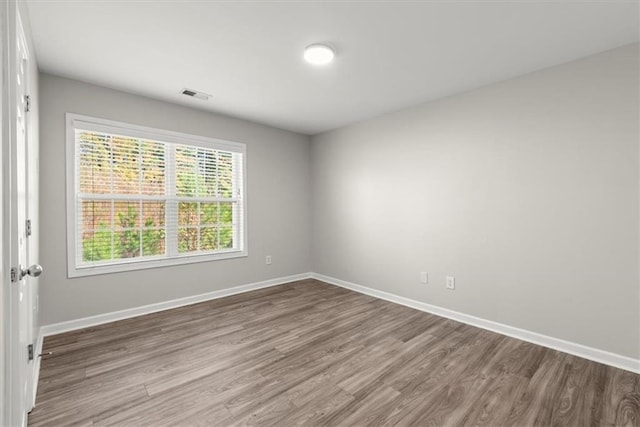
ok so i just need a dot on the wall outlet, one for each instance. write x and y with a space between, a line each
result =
424 278
268 260
451 282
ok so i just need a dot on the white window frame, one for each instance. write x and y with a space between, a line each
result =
77 121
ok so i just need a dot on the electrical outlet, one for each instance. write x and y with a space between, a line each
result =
424 278
268 260
451 282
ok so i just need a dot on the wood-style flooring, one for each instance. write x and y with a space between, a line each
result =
315 354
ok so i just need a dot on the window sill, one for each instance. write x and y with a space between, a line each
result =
94 270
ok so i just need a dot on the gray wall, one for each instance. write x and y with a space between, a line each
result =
278 185
526 191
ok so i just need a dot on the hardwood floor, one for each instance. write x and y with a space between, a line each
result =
311 353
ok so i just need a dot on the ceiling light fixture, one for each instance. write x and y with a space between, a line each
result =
318 54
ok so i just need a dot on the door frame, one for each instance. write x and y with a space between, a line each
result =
4 262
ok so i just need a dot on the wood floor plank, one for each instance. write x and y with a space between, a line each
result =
328 401
362 405
308 353
536 402
625 410
493 405
568 408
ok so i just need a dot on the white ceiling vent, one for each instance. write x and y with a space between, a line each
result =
195 94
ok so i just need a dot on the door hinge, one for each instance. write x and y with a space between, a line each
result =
28 226
30 351
27 103
14 274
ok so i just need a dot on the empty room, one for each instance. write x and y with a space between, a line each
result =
323 213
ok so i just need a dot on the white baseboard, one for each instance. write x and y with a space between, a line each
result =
600 356
71 325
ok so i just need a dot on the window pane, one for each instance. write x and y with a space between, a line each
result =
95 214
126 165
209 213
185 171
127 214
187 213
207 173
97 245
187 239
153 214
152 168
208 238
94 153
226 237
153 242
225 174
226 213
127 244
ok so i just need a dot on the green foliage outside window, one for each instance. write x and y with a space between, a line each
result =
126 242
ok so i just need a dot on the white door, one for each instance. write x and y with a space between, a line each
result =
23 102
20 372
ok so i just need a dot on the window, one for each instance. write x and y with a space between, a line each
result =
139 197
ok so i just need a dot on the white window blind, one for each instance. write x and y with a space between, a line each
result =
141 197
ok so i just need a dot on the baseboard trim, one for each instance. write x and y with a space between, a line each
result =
72 325
594 354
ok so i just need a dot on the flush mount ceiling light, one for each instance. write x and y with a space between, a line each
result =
318 54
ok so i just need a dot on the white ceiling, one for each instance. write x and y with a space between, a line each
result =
248 55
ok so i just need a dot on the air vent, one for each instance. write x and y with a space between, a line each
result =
196 94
